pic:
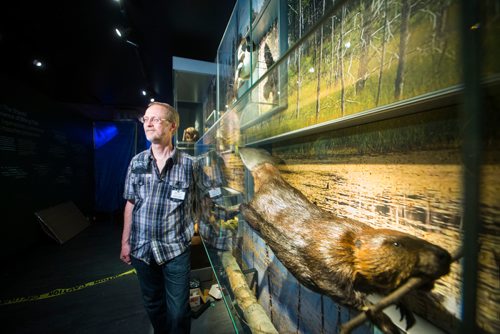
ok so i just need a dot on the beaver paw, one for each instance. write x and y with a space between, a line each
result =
407 315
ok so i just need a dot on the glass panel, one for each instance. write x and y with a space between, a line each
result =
226 64
349 60
210 105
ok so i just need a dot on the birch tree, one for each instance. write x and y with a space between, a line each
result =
404 35
319 65
341 69
382 54
366 36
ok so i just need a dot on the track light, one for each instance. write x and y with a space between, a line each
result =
149 93
126 35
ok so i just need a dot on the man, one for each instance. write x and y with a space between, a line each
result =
158 224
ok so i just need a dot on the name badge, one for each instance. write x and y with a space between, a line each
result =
178 194
214 192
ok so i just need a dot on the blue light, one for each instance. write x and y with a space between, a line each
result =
103 133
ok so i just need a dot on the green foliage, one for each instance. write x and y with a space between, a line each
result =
426 131
431 64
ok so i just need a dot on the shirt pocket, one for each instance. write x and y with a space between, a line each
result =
177 195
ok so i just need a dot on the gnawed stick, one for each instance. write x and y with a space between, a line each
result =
392 298
254 313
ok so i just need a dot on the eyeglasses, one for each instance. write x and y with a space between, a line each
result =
154 120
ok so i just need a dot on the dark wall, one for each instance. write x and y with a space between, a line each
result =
189 113
46 159
115 143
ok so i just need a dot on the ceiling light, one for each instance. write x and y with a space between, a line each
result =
152 99
144 92
118 32
37 63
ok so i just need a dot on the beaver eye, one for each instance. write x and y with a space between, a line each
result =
396 244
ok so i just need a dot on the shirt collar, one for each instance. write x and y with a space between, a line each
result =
174 156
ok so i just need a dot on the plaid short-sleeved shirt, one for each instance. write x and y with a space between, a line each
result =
162 224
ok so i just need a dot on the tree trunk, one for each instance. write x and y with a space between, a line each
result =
403 44
382 57
366 33
301 20
319 66
332 55
441 42
342 90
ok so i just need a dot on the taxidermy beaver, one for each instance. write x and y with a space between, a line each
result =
340 257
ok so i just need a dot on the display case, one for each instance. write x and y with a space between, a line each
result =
367 106
210 106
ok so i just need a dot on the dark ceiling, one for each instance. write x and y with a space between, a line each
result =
85 62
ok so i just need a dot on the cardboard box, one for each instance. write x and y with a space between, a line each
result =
215 291
195 297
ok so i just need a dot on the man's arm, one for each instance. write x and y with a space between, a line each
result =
127 226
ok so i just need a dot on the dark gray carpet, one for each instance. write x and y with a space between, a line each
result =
113 306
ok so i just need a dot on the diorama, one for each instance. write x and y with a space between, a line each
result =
334 170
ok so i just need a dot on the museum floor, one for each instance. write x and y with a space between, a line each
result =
90 294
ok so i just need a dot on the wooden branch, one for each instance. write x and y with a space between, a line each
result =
392 298
254 313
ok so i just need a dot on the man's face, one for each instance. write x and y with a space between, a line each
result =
161 131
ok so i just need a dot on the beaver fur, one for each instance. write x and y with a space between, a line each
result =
340 257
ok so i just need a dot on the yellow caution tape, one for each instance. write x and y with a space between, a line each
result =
60 292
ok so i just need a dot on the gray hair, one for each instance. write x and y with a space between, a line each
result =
172 114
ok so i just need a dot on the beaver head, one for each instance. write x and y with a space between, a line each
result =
384 259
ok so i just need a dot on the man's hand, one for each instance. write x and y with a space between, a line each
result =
125 253
127 226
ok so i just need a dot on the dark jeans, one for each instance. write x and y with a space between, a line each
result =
165 291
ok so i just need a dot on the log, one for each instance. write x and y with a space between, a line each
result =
255 315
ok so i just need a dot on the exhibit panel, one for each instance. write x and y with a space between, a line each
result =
355 136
